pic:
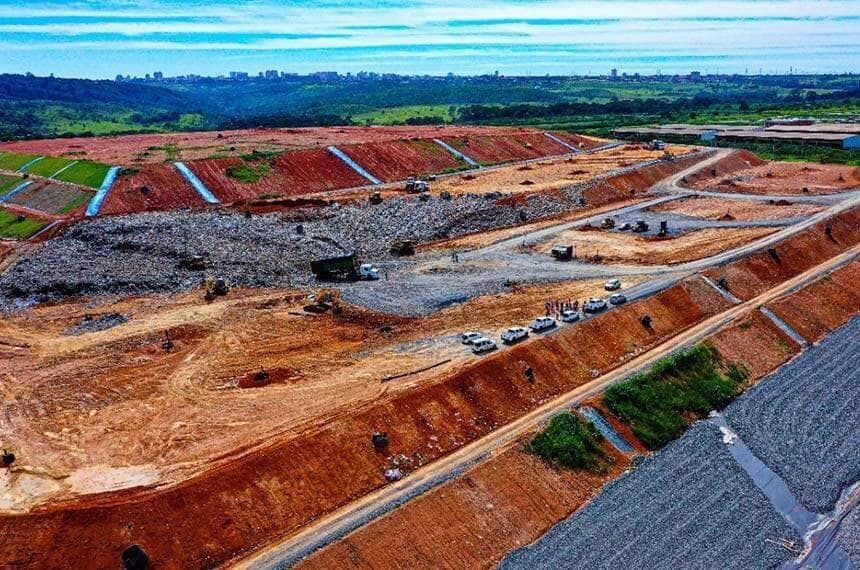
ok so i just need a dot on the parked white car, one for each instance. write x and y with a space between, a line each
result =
594 305
618 299
514 334
612 285
483 345
569 316
470 337
542 324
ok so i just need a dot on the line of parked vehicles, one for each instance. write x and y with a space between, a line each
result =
513 335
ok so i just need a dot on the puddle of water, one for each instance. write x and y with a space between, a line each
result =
606 429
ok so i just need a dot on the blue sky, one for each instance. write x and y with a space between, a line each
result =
100 38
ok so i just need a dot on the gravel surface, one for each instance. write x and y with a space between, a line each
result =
804 420
100 323
140 253
689 506
849 536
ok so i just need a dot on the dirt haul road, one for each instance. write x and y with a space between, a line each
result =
345 520
440 281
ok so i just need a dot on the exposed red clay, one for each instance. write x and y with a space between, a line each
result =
153 187
398 160
824 306
759 272
269 492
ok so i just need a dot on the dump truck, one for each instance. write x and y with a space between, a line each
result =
562 252
368 272
338 268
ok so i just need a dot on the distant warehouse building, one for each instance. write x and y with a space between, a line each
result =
838 135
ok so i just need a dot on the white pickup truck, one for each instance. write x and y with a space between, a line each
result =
542 324
483 345
594 305
514 334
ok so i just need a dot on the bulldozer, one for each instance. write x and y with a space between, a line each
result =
215 287
324 300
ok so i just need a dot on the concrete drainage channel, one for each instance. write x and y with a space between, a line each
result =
606 429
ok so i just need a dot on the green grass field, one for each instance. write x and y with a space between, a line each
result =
7 183
405 115
14 161
49 165
13 227
85 173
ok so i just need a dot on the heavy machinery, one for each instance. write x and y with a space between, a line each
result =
193 262
368 272
339 268
324 300
215 287
403 248
416 186
640 226
562 252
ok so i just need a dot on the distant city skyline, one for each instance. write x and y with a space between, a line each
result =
103 38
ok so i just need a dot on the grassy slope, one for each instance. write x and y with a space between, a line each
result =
12 227
85 173
571 442
14 161
49 165
7 183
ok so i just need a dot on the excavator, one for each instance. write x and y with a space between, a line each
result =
215 287
324 300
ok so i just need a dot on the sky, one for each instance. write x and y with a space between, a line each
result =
103 38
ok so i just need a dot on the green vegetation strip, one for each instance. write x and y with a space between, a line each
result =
48 166
85 173
8 183
659 404
14 161
17 227
569 441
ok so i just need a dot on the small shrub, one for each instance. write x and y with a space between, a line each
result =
248 173
571 442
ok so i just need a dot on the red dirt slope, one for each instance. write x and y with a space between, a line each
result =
317 170
736 161
398 160
275 490
628 185
759 272
754 341
154 187
579 141
507 502
496 149
824 306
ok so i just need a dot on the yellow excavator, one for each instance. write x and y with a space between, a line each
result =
324 300
215 287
